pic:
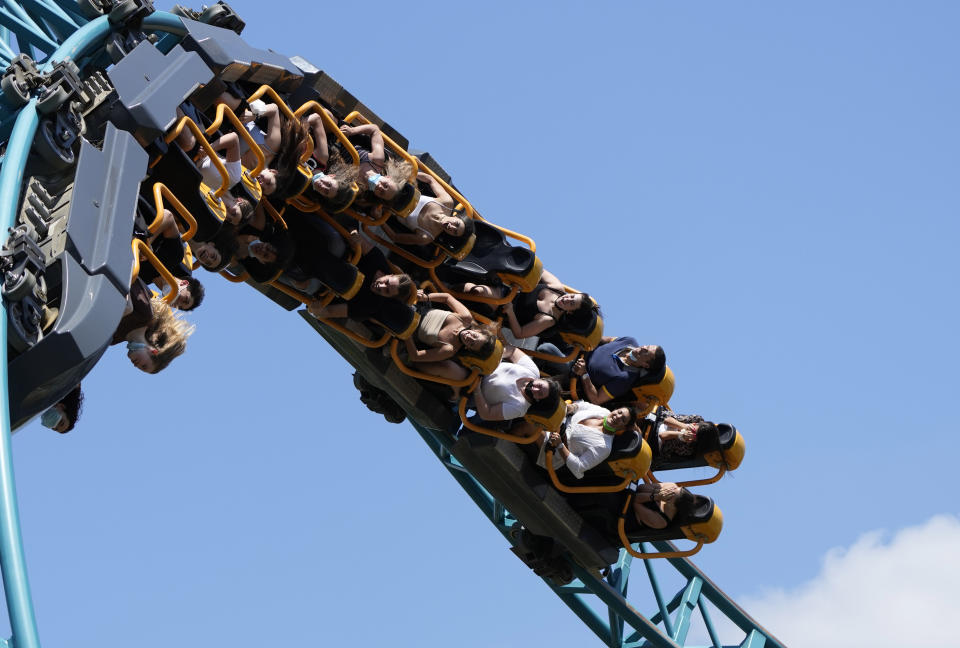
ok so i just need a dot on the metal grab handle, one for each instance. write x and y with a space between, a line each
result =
285 109
413 373
462 409
139 246
223 110
467 207
240 278
423 263
161 192
721 471
560 486
396 148
549 357
329 125
480 299
189 124
627 545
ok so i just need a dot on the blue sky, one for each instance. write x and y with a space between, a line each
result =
768 190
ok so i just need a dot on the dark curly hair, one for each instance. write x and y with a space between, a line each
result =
72 406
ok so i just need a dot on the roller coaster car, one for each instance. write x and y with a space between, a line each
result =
492 260
629 461
613 515
723 449
67 270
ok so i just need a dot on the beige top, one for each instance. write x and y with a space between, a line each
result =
430 325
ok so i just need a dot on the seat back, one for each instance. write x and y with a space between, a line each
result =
399 319
585 332
655 394
548 416
702 524
484 365
513 264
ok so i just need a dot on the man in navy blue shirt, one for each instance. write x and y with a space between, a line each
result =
614 368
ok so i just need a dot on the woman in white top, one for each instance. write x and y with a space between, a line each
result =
590 431
431 217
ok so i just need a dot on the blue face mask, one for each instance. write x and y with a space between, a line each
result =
372 181
318 175
51 418
251 244
137 346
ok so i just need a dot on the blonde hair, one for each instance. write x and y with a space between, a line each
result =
344 172
167 333
398 171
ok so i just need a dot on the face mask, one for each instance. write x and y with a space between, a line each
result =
51 418
318 175
251 244
372 181
137 346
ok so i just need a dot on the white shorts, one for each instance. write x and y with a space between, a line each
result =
211 177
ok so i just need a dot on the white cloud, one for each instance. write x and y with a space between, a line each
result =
897 593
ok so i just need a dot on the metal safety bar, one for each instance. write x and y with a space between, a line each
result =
224 111
189 124
139 247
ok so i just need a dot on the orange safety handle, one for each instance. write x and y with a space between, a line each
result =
396 148
329 126
240 278
560 486
462 409
368 220
285 109
467 207
423 263
161 192
549 357
704 482
140 247
661 554
223 110
188 123
480 299
356 337
413 373
273 213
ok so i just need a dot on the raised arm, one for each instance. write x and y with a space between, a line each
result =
377 154
453 304
434 354
551 280
320 152
539 324
443 197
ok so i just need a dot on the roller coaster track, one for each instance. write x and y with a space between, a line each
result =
52 30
